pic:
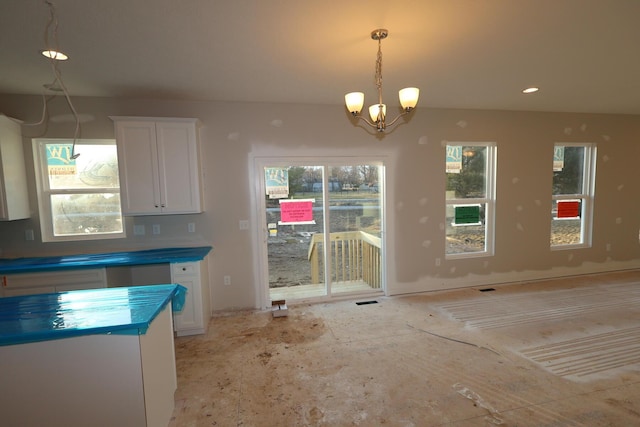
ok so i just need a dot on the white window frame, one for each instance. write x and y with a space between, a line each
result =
586 196
489 200
44 192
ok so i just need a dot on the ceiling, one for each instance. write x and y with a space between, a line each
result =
583 54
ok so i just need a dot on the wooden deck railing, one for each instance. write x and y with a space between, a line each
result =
355 256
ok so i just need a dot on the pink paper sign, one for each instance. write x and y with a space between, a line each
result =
296 211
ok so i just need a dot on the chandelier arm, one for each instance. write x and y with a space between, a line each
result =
404 113
373 125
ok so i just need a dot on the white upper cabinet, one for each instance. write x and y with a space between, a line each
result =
14 196
159 165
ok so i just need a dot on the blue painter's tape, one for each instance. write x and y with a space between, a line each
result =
43 317
110 259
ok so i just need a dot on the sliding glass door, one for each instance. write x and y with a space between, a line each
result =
323 227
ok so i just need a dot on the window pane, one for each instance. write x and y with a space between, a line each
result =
82 214
469 199
568 170
465 238
565 231
96 167
466 168
572 198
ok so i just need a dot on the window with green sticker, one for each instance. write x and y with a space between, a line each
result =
470 198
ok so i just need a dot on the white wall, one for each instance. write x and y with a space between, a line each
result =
232 132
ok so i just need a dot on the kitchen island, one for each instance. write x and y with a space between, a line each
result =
99 357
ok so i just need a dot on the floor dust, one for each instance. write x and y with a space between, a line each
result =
292 329
441 359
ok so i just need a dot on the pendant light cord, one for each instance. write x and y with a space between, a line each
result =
53 20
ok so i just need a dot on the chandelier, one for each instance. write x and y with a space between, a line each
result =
378 112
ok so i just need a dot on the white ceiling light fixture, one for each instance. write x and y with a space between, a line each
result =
54 54
532 89
378 112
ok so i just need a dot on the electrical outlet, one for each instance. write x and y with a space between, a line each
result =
191 227
244 224
227 280
28 235
155 229
437 262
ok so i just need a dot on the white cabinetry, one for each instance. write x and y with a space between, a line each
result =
14 196
159 165
53 281
195 315
92 380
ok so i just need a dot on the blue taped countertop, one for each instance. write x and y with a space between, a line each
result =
109 259
44 317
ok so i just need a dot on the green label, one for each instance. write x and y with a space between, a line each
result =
467 214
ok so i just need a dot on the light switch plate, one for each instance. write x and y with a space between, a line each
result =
138 230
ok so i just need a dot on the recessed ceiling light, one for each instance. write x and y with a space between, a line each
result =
530 90
54 54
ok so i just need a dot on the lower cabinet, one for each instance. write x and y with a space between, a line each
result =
195 315
53 281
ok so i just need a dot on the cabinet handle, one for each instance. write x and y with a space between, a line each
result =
4 281
184 268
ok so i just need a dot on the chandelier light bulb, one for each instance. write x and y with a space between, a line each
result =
354 101
409 97
377 112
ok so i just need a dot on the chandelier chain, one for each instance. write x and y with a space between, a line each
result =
378 76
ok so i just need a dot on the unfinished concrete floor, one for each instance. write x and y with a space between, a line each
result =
553 353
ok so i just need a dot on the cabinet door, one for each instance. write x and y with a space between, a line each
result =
53 281
178 164
78 287
190 320
14 292
14 195
138 162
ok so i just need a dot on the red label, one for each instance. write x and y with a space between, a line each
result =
568 209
